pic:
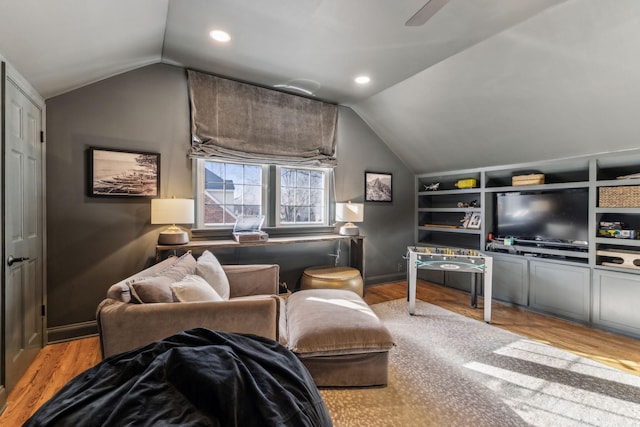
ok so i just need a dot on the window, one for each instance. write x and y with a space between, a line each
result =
302 196
226 191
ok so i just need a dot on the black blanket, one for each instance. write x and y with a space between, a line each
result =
196 378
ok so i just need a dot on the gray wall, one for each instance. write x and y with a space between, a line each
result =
387 226
94 242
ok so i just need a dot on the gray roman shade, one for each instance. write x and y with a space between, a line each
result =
234 121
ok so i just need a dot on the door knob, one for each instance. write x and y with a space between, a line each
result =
11 260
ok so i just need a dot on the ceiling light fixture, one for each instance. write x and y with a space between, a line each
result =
219 35
362 80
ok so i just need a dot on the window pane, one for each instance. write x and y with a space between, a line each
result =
230 196
252 195
316 179
287 214
253 175
302 196
251 210
231 190
213 213
302 214
316 197
302 178
234 172
287 177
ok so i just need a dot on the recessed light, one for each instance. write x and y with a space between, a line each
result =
219 35
362 80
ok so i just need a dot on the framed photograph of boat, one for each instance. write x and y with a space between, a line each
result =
120 173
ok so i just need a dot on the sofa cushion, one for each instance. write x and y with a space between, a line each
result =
156 287
182 266
209 268
194 288
121 291
328 322
151 289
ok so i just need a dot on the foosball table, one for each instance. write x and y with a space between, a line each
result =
452 260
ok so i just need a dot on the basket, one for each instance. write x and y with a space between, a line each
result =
619 197
531 179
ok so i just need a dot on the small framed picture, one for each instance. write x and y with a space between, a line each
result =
474 220
120 173
378 187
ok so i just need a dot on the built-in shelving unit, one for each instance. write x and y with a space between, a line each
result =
441 211
534 275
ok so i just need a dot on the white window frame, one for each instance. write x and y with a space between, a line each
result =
325 214
270 197
199 192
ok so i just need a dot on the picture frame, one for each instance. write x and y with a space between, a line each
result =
123 173
378 187
475 221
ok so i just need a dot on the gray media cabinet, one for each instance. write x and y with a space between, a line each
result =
580 285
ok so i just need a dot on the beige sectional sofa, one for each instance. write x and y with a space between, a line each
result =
252 308
334 333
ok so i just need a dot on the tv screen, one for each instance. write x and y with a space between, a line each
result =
549 216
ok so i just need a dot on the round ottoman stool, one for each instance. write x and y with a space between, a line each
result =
329 277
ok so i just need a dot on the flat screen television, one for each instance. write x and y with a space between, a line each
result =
552 218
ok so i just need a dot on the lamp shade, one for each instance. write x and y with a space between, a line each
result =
172 211
349 212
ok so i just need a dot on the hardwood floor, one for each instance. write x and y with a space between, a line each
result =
56 364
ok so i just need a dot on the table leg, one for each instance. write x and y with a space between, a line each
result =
488 281
412 271
474 292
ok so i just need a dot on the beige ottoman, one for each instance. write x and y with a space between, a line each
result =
337 337
329 277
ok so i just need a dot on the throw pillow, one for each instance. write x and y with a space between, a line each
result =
193 289
151 289
183 266
208 267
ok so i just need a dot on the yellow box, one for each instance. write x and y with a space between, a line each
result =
467 183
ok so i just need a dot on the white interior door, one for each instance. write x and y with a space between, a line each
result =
23 231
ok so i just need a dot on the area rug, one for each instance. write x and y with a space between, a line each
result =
449 370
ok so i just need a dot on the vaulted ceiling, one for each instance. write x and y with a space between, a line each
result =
481 82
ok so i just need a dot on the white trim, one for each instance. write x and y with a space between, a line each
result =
200 188
325 213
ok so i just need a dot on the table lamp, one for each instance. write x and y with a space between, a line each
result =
172 211
349 213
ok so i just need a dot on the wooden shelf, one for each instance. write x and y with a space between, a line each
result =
204 244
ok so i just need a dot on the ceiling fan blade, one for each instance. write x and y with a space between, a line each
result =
425 13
